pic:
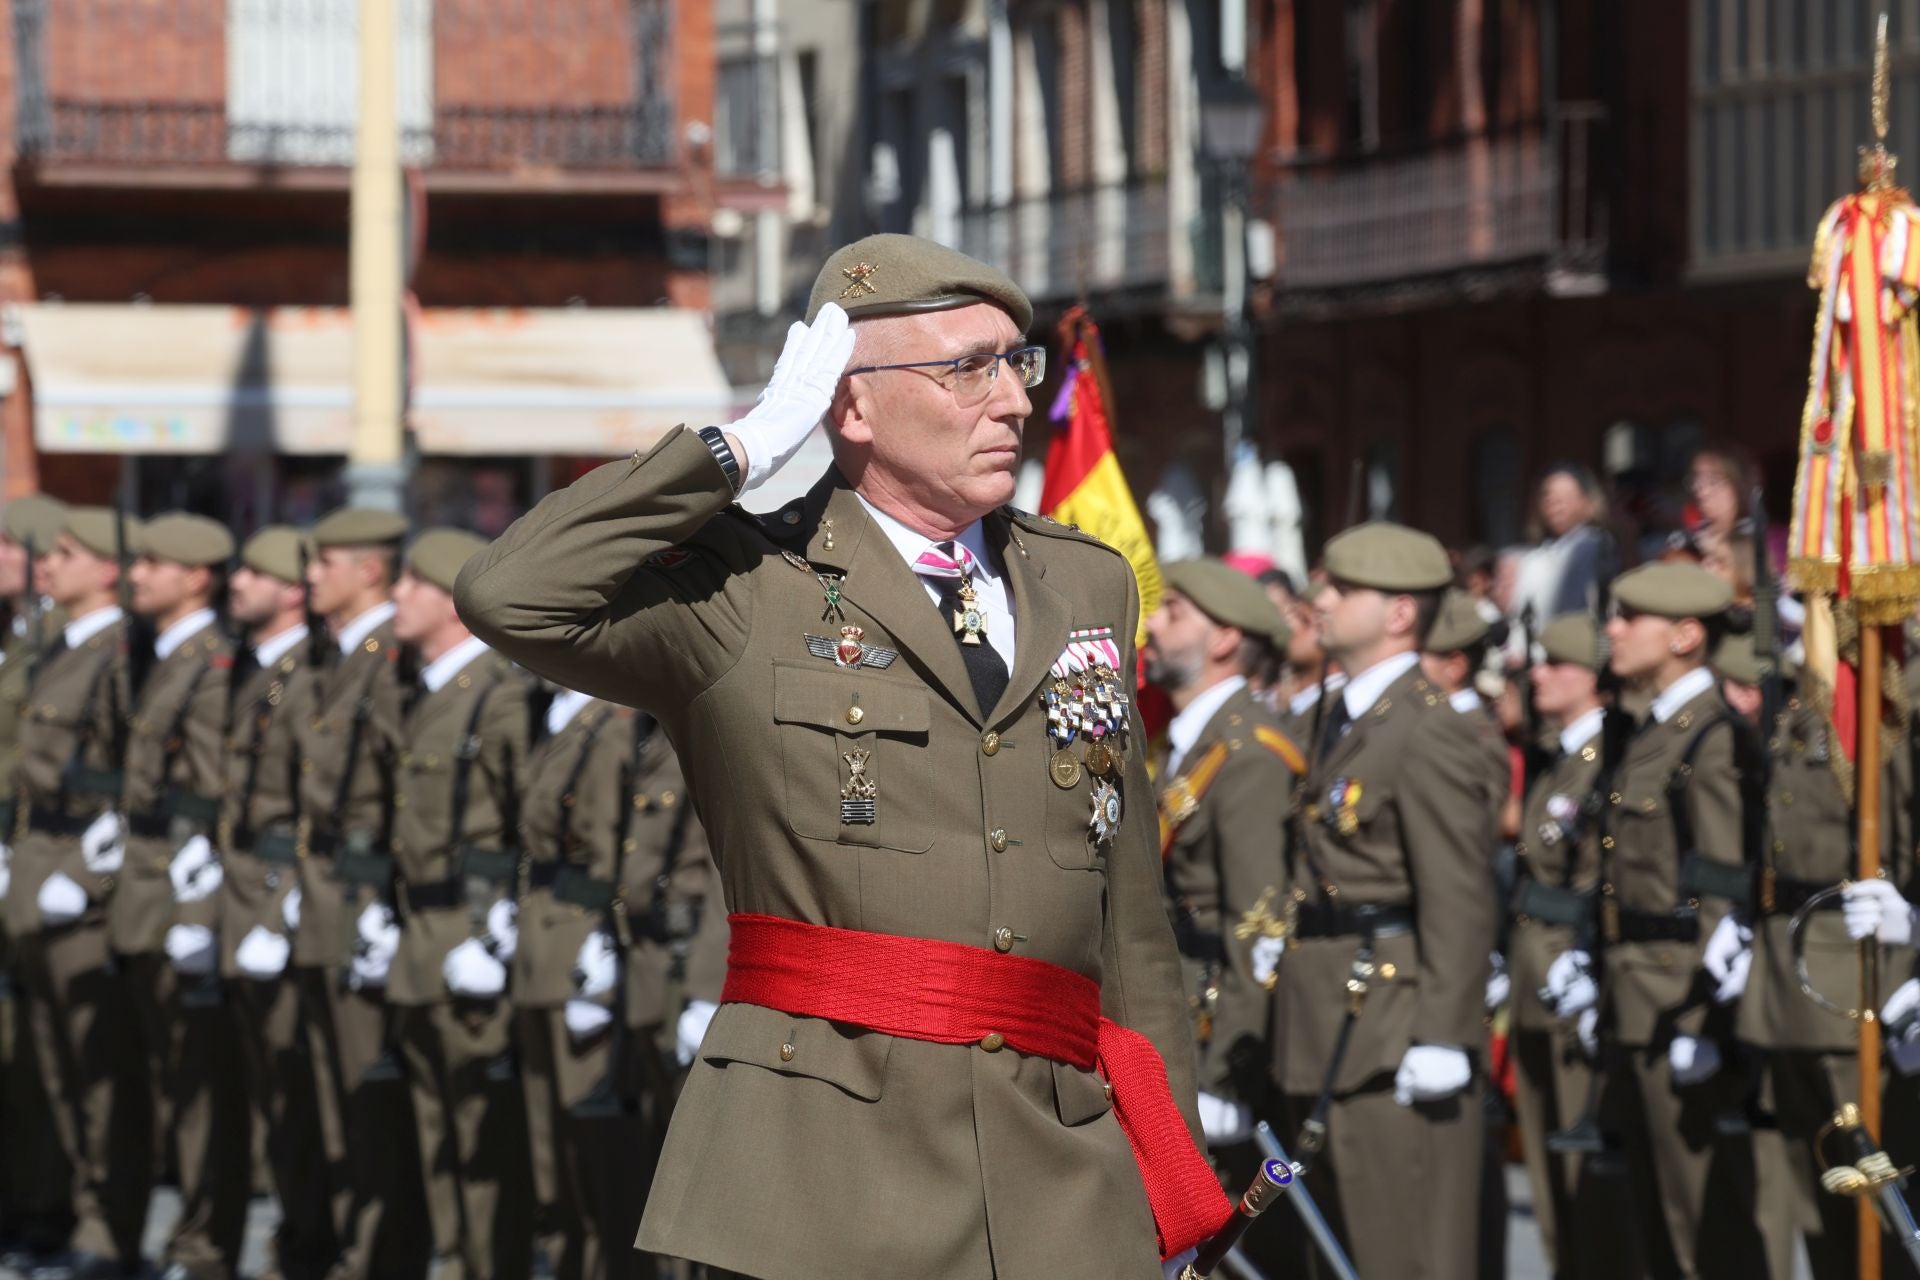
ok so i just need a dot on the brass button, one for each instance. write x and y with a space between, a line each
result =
855 715
1003 939
998 839
993 1042
989 743
1107 1088
1387 971
786 1052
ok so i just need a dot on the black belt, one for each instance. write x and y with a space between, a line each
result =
272 846
51 822
495 865
1658 926
1194 942
1317 920
6 819
572 885
202 811
666 922
1783 895
1551 904
355 855
435 895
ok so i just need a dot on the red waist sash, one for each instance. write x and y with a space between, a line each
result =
947 993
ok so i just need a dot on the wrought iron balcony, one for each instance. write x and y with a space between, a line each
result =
485 85
1072 242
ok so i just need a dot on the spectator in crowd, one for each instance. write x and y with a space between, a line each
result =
1559 575
1720 481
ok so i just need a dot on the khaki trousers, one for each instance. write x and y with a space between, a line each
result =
1579 1209
279 1078
470 1119
1802 1089
82 1030
34 1177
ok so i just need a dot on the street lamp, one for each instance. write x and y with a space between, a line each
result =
1233 117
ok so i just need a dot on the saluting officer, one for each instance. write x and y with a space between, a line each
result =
65 867
349 743
1680 828
463 750
1391 865
259 849
941 861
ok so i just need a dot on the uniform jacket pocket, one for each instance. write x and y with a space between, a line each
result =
831 721
851 1060
1079 1095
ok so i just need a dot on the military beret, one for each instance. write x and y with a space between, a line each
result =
359 527
1736 658
95 528
194 541
275 551
1229 597
1388 557
1572 639
1670 590
890 275
34 520
437 555
1457 626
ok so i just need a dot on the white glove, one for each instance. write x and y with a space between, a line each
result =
1429 1072
1727 958
1735 983
103 845
1570 989
1171 1268
1694 1060
797 396
1905 1053
597 966
262 955
61 901
503 926
584 1018
471 970
1587 1027
290 910
1901 1005
1224 1122
6 870
191 948
692 1029
1875 907
195 872
379 942
1499 985
1266 960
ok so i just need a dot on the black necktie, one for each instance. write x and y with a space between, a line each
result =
984 667
1335 725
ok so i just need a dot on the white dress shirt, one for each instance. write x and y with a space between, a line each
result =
1364 689
1667 703
363 626
87 626
1302 702
566 704
276 647
1581 731
1466 701
1184 729
989 583
180 632
452 663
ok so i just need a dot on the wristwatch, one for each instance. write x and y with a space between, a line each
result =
716 442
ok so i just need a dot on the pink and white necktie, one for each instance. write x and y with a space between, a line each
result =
945 560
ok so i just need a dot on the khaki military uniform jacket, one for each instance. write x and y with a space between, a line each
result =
175 778
1559 851
259 822
16 661
640 585
438 844
348 734
1395 814
1225 816
1658 988
1810 845
67 772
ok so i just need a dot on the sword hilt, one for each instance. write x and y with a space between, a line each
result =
1273 1178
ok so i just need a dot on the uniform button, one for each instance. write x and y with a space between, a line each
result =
1107 1087
786 1052
1387 971
989 743
993 1042
999 839
855 715
1003 939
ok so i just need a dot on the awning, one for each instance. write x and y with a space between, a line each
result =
186 379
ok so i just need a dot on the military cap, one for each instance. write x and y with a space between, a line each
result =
1388 557
1736 658
1457 626
437 555
95 528
275 551
1229 597
359 527
1670 590
194 541
34 520
891 274
1572 639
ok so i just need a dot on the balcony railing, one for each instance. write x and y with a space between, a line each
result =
483 84
1478 203
1101 238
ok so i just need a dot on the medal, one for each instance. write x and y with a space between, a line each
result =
1106 812
1100 758
1064 769
849 652
969 623
858 796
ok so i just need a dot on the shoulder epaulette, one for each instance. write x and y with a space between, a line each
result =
1183 793
1281 745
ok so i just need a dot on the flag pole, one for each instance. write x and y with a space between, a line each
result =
1867 800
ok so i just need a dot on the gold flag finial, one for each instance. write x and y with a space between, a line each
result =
1876 162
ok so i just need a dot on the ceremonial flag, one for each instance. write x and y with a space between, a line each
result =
1084 485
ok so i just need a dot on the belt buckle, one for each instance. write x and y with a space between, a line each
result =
1769 879
1609 914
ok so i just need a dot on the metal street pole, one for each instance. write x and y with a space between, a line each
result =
376 469
1233 297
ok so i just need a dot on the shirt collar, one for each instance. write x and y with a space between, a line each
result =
1667 703
87 626
1184 729
363 626
278 645
452 663
1302 702
910 543
1581 731
170 640
1364 689
1466 702
566 704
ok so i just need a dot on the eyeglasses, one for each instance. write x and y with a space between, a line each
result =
971 378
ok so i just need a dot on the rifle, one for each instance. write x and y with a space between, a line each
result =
319 647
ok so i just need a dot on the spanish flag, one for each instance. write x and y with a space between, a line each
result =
1084 485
